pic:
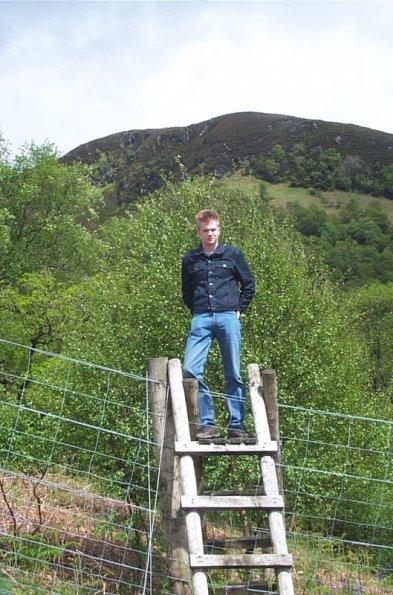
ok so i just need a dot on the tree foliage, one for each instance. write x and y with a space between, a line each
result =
374 307
324 169
46 213
357 243
110 293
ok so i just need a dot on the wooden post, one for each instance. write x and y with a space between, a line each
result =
269 476
169 480
269 383
187 471
191 393
191 390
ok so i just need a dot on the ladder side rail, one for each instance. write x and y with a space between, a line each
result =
174 525
187 471
269 476
191 392
269 383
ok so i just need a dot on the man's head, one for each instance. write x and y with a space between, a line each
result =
208 229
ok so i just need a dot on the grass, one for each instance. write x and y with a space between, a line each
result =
64 555
63 536
325 566
321 567
282 194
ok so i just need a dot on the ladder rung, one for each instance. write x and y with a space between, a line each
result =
240 542
196 449
257 491
248 588
232 502
241 561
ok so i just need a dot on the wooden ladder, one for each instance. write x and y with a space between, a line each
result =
194 505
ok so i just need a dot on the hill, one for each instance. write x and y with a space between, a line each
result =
132 161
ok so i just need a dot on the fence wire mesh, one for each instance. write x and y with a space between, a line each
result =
79 509
78 497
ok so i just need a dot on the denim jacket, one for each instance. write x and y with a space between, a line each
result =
218 283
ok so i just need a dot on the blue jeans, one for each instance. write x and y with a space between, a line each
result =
226 328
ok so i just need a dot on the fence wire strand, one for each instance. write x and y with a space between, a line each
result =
79 487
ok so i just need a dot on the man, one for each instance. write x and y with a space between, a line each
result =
217 287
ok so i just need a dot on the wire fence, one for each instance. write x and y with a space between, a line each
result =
78 496
79 510
339 500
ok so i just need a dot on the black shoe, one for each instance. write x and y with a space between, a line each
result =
234 433
208 432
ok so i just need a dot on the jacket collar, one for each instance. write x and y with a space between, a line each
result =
219 250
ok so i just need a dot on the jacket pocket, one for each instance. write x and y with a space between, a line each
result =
197 271
223 269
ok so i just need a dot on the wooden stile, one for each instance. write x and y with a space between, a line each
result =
187 456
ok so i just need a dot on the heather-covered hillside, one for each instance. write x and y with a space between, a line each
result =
134 161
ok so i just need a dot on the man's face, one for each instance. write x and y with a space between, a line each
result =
209 232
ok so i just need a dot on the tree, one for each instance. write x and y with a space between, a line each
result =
267 169
387 178
367 232
374 305
35 311
46 214
310 221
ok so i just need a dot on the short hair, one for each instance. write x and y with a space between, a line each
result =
206 215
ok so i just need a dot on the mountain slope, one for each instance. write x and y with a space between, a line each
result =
133 160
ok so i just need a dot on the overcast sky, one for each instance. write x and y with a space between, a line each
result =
75 71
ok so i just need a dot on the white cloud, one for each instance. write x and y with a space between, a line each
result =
72 72
335 78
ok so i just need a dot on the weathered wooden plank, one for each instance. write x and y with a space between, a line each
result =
222 440
231 502
269 382
257 491
196 449
249 587
240 542
269 476
177 558
187 471
241 561
191 393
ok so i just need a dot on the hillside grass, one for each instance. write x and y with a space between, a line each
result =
282 194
